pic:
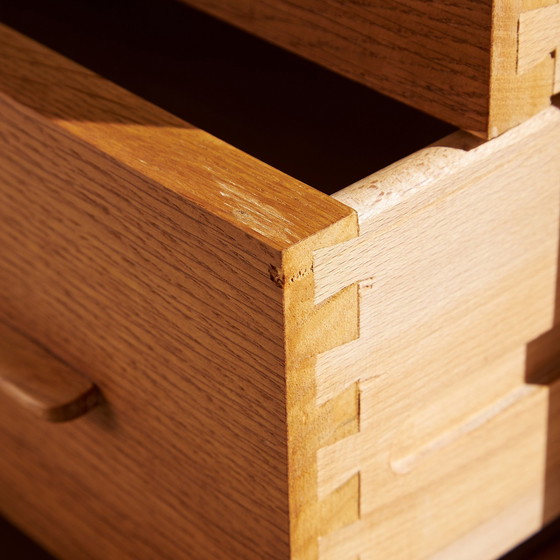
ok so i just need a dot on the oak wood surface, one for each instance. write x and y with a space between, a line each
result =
432 55
455 60
149 256
457 268
39 382
250 347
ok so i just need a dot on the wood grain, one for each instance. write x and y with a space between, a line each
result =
515 96
273 381
434 56
457 61
311 330
39 382
457 268
539 36
157 260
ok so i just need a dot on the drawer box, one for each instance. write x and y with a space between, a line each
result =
285 374
484 66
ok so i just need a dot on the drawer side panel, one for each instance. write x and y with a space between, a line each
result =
457 266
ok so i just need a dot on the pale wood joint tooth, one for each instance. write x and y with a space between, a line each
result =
323 326
538 38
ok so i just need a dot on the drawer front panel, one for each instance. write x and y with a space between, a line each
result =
111 274
139 251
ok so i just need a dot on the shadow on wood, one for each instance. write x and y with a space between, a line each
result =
310 123
543 368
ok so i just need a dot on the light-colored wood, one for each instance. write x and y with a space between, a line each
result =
539 37
457 268
412 521
492 539
457 61
515 96
162 263
39 382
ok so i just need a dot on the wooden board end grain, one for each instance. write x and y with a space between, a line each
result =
312 330
523 75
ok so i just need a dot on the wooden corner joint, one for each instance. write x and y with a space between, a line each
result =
338 464
338 422
538 37
338 467
315 329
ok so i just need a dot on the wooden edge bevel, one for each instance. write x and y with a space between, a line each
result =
258 200
313 329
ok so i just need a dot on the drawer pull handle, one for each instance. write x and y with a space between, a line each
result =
40 382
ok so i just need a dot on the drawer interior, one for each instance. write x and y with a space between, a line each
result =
312 124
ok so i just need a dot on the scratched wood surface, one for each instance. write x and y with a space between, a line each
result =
149 256
457 268
455 60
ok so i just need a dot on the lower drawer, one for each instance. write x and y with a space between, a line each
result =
284 374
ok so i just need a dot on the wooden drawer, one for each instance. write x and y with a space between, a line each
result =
484 66
285 374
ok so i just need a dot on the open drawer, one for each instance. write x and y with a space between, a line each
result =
284 373
484 65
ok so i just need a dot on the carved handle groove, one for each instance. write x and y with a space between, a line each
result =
40 382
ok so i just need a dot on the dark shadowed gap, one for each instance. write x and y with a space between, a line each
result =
14 545
543 367
307 121
539 544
